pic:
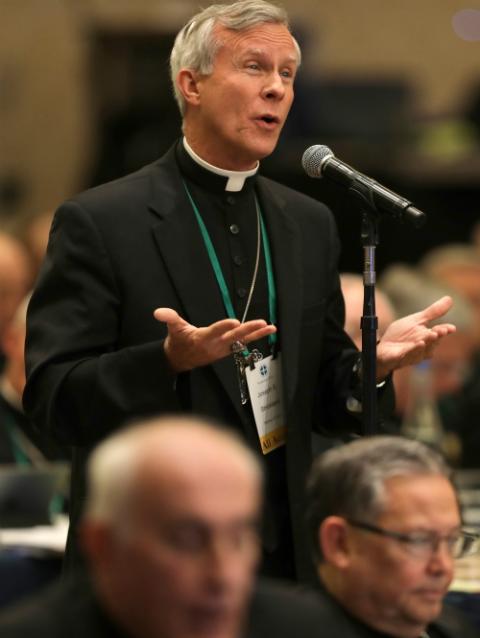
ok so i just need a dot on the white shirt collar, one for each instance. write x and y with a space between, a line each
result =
236 179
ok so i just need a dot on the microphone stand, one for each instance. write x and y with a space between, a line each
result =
369 324
369 320
371 214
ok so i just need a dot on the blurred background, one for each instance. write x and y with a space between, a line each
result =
392 87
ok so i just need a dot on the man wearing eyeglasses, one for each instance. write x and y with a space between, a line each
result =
386 528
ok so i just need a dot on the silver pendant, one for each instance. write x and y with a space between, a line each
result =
241 362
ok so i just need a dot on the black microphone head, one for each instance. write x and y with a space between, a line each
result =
313 159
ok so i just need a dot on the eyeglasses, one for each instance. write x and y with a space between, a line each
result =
424 544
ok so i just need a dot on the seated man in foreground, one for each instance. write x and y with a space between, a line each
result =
386 527
170 536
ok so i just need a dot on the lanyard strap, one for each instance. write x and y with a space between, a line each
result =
227 301
18 453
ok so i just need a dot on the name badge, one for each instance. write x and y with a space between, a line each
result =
265 388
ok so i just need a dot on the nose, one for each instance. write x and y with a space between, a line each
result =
274 88
441 560
223 569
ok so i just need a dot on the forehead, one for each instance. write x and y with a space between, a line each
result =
210 490
420 501
262 38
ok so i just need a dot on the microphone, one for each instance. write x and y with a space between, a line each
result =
319 161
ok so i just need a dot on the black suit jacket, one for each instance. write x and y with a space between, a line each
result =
94 351
71 609
450 624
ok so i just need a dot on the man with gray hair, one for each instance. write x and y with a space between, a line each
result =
162 290
385 525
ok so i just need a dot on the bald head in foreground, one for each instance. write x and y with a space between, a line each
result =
170 536
170 528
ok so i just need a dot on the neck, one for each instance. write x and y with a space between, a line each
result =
206 147
358 603
236 179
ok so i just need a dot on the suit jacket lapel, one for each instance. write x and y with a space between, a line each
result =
285 243
185 257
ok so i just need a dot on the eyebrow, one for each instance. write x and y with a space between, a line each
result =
261 52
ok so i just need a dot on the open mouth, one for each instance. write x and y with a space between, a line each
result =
268 122
269 119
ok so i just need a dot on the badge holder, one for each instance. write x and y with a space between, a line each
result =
265 389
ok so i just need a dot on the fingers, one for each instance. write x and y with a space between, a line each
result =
431 337
167 315
225 331
437 309
260 334
219 328
249 331
444 329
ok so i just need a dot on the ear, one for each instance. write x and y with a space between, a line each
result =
187 82
334 541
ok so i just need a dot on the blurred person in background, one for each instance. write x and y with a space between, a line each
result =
34 233
20 442
16 278
385 527
408 290
458 267
170 532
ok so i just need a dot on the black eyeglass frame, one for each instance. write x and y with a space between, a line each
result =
416 538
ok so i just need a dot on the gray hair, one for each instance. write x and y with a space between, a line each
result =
114 465
349 480
443 258
196 44
410 290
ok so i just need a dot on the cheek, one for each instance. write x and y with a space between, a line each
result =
289 99
227 109
404 574
408 576
171 588
408 585
156 567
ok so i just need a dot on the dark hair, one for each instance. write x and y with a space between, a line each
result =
349 480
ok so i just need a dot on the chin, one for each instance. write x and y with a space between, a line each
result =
264 151
427 613
258 149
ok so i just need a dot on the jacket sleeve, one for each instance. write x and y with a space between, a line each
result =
80 383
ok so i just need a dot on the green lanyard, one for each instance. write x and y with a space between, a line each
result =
227 301
20 457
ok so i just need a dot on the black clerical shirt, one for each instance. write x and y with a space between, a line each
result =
231 221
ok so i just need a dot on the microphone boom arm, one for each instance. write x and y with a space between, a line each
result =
379 198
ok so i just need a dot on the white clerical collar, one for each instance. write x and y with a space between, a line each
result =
236 179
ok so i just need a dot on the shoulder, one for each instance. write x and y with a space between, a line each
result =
283 610
292 198
65 608
453 623
130 192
